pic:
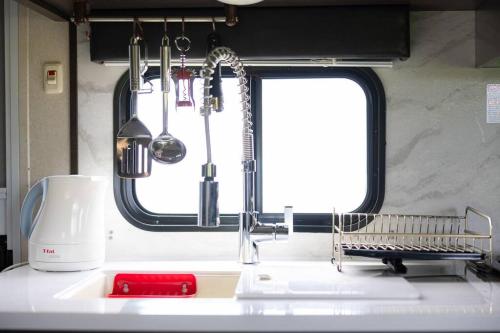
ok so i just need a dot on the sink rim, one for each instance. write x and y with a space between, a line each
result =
104 279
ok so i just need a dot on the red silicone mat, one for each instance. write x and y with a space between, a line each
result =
127 285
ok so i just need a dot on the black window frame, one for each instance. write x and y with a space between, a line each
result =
131 209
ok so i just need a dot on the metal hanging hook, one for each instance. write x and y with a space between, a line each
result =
138 32
165 40
182 43
134 28
136 39
213 24
183 26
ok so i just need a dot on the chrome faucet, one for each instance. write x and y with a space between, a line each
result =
252 231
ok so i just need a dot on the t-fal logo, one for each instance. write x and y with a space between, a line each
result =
48 251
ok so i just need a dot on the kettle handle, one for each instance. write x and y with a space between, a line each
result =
37 191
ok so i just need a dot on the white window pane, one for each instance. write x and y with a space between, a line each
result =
173 189
314 148
314 144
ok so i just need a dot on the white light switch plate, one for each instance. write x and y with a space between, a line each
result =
53 78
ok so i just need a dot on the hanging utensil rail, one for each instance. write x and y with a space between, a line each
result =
394 237
158 19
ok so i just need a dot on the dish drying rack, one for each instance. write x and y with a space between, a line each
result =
395 237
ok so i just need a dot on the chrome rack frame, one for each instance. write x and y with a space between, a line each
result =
393 237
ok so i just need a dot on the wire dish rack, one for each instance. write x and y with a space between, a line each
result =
394 237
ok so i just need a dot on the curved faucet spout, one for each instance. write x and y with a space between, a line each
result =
225 54
208 215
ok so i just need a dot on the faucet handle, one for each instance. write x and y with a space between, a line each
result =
284 229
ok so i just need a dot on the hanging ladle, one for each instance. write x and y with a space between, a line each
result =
166 148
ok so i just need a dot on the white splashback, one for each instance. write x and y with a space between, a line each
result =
441 154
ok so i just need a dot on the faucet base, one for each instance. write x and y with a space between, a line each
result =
248 249
253 258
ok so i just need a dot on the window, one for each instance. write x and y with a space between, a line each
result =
319 137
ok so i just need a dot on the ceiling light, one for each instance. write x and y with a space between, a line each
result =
240 2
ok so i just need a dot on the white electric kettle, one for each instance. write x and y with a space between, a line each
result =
67 233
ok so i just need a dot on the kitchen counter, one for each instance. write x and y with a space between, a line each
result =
31 300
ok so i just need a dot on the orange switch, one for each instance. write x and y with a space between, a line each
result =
51 77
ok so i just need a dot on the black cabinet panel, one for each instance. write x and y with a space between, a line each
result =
368 32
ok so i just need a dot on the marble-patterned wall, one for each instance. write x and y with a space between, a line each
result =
441 154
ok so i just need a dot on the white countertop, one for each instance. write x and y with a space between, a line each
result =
29 301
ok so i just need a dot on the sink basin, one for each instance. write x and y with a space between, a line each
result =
209 285
284 281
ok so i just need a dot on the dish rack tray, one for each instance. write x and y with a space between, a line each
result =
395 237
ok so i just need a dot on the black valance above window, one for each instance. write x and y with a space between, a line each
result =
269 33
